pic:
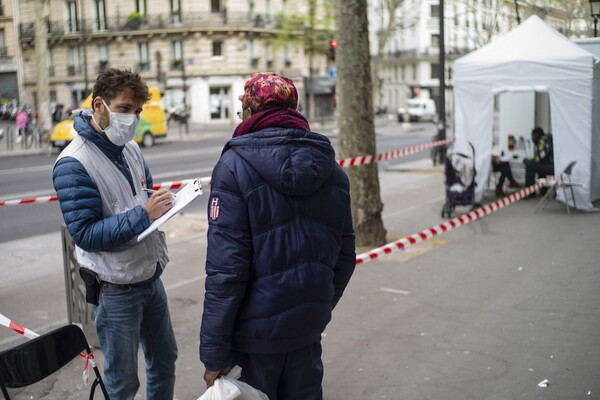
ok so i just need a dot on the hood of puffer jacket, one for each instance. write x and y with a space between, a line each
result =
293 161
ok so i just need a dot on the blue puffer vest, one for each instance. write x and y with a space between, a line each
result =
280 244
80 200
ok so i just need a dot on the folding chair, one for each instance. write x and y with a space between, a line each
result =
38 358
562 181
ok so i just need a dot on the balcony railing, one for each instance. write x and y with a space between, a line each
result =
428 51
161 21
143 66
177 65
74 70
102 65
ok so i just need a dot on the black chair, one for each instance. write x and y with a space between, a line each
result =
38 358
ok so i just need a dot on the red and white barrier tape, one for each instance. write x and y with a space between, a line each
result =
165 185
42 199
348 162
179 184
17 328
362 160
448 225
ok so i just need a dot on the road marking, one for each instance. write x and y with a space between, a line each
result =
25 169
408 209
397 291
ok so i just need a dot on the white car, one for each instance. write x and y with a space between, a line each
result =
422 110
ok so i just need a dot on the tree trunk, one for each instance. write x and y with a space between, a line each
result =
355 118
41 49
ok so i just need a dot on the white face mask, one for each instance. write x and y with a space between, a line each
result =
121 127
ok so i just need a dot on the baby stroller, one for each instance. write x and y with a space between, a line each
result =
460 173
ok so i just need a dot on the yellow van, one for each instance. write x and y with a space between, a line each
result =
153 123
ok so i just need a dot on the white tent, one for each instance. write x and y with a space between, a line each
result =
534 56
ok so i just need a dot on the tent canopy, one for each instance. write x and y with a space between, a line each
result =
534 56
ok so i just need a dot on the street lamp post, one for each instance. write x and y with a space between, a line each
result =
441 128
595 7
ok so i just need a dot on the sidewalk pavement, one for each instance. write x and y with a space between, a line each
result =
486 310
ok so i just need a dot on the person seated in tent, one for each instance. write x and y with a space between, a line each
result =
505 172
542 163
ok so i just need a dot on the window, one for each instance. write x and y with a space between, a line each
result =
268 8
140 6
402 73
435 71
434 10
252 54
74 61
175 11
269 56
435 40
143 61
99 15
215 6
286 56
102 57
217 48
414 72
219 102
71 22
177 55
50 61
3 52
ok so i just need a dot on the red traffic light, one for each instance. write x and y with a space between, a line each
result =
333 43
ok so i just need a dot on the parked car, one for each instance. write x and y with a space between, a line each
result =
421 110
153 123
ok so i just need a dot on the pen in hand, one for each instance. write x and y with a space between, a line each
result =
152 191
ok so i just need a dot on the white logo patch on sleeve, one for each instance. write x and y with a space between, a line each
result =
215 208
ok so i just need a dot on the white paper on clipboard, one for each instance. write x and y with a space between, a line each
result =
185 196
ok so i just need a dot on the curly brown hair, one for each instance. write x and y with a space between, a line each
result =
113 81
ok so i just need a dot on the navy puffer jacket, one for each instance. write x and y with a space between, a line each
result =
280 244
80 200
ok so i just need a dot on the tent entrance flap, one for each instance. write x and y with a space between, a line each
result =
517 114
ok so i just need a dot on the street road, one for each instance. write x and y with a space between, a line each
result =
30 176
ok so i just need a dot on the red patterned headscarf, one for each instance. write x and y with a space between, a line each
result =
266 87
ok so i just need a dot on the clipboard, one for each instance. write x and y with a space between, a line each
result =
185 196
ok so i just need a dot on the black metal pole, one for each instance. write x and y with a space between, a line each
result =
595 26
441 127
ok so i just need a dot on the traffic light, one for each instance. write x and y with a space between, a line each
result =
332 46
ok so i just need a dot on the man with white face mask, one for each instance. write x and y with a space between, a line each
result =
100 180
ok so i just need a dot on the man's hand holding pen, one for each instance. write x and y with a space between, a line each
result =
159 202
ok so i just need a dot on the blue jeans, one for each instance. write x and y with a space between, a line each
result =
126 316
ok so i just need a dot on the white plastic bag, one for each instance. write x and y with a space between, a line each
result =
229 388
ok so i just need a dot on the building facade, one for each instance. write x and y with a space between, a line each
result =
409 62
9 89
199 53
